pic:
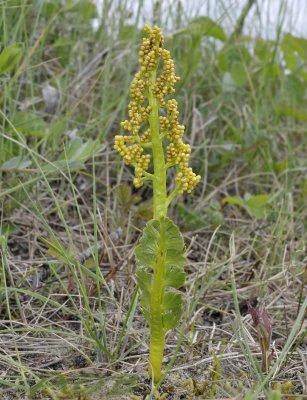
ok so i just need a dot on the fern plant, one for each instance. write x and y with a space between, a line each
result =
152 146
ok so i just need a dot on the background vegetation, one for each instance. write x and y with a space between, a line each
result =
70 325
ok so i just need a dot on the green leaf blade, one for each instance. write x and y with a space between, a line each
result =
160 256
172 308
205 26
9 58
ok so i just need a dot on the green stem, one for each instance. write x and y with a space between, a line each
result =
173 195
159 182
157 331
160 205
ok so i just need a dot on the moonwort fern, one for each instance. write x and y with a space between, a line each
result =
152 146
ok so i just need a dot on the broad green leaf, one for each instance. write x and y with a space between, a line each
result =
144 281
29 124
257 206
295 54
294 44
172 308
223 60
238 73
160 258
79 151
235 200
62 165
264 49
205 26
160 236
9 58
174 276
16 162
271 70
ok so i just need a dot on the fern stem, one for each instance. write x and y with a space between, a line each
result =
157 332
159 182
160 205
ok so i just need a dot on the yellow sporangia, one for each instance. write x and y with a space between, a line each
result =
135 148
